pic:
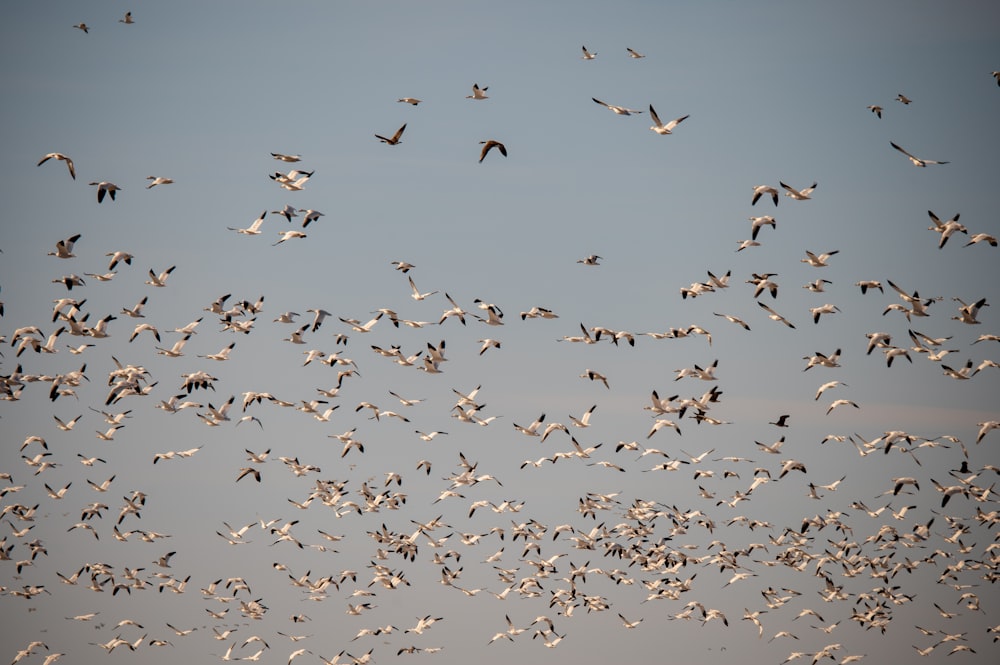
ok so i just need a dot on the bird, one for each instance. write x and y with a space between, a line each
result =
253 229
798 194
64 248
61 157
592 260
127 20
946 229
105 187
156 180
756 223
818 260
83 26
489 145
159 280
903 98
413 101
620 110
395 140
761 190
281 157
774 316
659 127
588 55
916 160
288 235
477 92
634 54
877 110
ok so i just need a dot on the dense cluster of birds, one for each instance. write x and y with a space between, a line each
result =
842 564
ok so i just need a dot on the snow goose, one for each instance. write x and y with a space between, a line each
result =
412 101
253 229
61 157
105 187
798 194
661 128
916 160
477 92
620 110
157 180
64 248
877 110
761 190
634 54
587 55
818 260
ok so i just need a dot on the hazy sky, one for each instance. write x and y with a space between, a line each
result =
204 93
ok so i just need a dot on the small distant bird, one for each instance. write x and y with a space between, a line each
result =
105 187
995 74
587 55
659 127
903 98
127 20
798 194
916 161
413 101
286 158
877 110
61 157
620 110
157 181
477 92
83 26
634 54
592 260
489 145
395 140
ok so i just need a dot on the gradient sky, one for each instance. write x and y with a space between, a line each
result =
774 91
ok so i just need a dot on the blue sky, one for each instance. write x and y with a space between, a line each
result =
775 92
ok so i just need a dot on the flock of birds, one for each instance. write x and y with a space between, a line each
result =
843 562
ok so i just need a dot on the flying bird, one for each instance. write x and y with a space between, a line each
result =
105 187
916 160
477 92
63 158
620 110
659 127
395 140
588 55
489 145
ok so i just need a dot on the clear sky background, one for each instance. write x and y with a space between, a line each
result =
775 91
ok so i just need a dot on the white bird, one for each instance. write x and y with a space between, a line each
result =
584 420
798 194
156 180
58 155
761 190
127 20
310 216
159 280
916 160
395 139
592 260
413 101
774 316
821 310
968 313
588 55
818 261
946 229
877 110
291 159
841 402
253 229
477 92
288 235
105 187
620 110
661 128
756 223
634 54
64 248
416 294
903 98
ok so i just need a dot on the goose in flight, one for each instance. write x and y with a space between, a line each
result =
288 235
588 55
761 190
156 180
395 140
634 54
83 26
774 316
877 110
620 110
820 260
916 160
127 20
592 260
281 157
946 229
757 222
903 98
489 145
659 127
798 194
477 92
253 229
105 187
64 248
61 157
161 279
412 101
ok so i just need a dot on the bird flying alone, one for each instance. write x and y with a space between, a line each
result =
489 145
61 157
395 140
